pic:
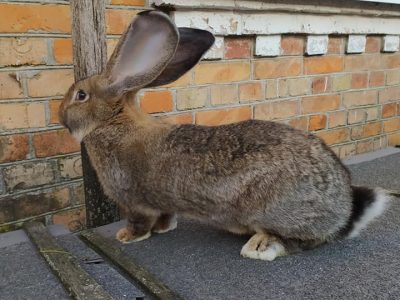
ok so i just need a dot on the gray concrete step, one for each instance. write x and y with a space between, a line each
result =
24 274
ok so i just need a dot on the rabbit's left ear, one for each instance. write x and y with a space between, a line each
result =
193 43
142 53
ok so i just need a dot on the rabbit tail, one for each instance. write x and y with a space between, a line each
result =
368 204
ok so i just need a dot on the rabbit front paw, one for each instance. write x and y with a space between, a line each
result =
264 247
125 236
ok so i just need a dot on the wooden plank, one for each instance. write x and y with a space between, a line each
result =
393 193
65 266
141 276
90 58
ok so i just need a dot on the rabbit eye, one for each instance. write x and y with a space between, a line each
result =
81 96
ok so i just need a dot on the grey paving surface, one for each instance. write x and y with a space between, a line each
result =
382 172
112 281
24 275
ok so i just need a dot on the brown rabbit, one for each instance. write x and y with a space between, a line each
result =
283 186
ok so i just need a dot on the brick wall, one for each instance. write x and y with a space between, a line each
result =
352 101
40 166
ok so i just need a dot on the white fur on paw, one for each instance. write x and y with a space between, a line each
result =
126 240
255 249
172 226
273 251
143 237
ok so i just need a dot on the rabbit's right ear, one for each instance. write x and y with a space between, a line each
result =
142 53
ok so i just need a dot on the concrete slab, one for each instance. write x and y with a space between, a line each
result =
380 172
25 275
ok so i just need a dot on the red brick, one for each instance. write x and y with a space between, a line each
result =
17 18
54 143
129 2
389 110
335 136
362 62
323 64
336 45
238 47
391 125
373 44
292 45
119 19
317 122
251 91
54 106
14 147
299 123
321 85
359 80
391 61
179 119
367 130
157 101
377 78
222 72
62 50
394 139
277 67
226 116
316 104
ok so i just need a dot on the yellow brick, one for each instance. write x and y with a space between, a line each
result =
222 72
393 77
299 86
277 67
224 94
191 98
251 91
9 86
276 110
21 51
355 99
341 83
17 115
337 118
50 83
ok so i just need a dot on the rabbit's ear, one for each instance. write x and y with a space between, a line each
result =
142 53
193 43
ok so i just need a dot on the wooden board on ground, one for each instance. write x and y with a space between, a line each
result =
66 267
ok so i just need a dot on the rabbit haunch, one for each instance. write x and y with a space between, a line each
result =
255 177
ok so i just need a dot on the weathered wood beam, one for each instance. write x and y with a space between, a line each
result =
142 277
79 284
90 58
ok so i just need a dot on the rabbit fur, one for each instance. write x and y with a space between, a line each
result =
281 185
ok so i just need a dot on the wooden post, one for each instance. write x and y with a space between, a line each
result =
90 58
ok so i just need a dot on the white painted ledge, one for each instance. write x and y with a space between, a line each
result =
233 23
303 6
